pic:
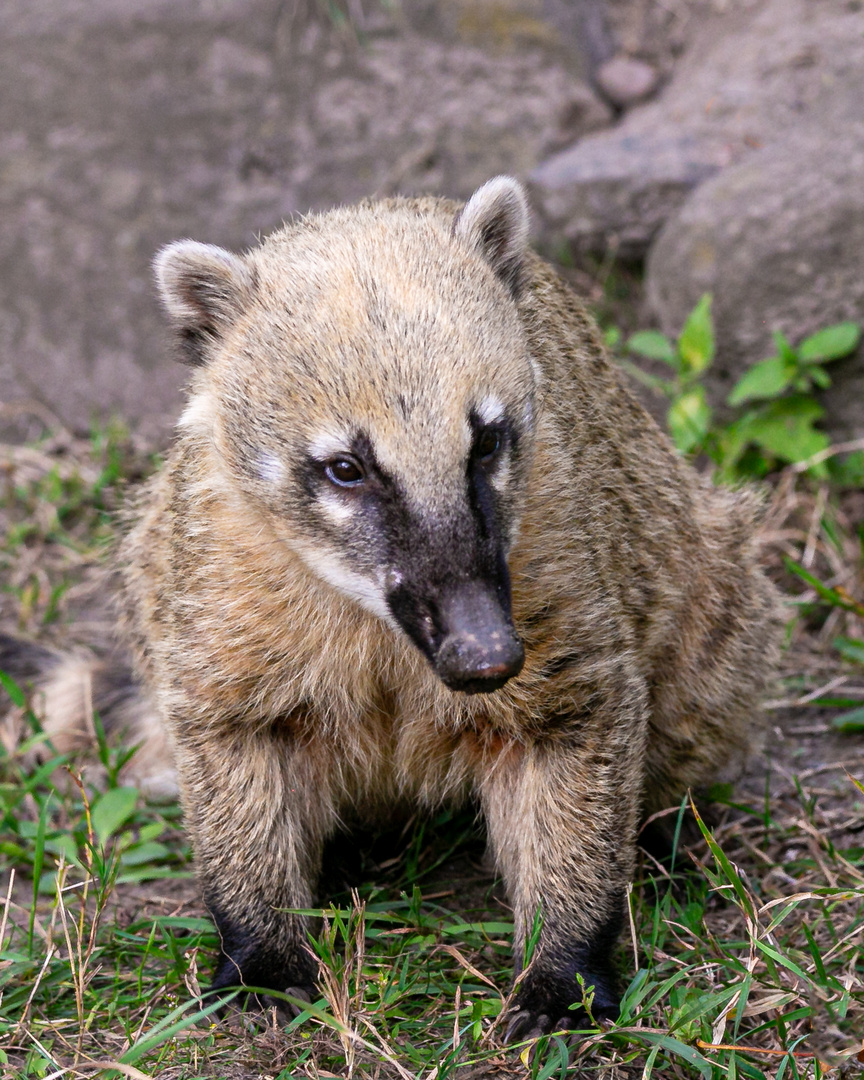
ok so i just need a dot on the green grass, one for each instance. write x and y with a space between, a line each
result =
746 961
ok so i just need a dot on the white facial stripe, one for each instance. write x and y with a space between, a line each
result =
270 468
330 568
467 436
327 444
491 410
199 411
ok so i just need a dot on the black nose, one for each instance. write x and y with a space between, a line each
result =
480 650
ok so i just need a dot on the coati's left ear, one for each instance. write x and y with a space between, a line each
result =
494 222
204 289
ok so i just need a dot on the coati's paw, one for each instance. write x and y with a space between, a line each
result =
543 1004
262 973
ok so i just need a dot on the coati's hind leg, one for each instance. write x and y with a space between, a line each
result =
707 719
562 816
259 807
711 675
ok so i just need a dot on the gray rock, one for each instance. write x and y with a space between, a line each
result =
125 124
616 190
582 112
626 81
779 241
748 78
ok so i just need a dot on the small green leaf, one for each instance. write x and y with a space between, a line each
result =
848 471
112 810
849 723
63 844
689 418
785 428
654 345
782 960
729 444
38 860
784 349
729 870
850 649
696 344
634 994
767 379
180 922
820 377
832 343
152 851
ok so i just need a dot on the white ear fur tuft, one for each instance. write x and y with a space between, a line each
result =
495 222
204 289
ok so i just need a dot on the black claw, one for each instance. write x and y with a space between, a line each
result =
525 1025
302 993
542 998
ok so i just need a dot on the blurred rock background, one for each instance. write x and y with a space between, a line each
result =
717 143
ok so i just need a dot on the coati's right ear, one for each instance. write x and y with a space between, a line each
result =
204 289
494 222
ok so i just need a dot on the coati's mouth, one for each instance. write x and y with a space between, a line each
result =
467 635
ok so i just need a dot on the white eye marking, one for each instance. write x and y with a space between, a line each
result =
491 410
328 444
335 508
500 478
270 468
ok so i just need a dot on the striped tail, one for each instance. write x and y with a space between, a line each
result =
66 689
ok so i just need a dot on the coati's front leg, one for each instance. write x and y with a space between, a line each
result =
258 807
562 814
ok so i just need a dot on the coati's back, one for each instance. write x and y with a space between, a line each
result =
416 540
679 555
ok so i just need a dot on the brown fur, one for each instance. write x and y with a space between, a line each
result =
649 631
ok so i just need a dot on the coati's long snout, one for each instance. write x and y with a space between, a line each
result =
450 591
466 633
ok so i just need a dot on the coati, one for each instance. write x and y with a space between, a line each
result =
416 542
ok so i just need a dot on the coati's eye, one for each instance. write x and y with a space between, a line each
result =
487 443
344 472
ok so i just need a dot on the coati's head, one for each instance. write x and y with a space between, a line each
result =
364 378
